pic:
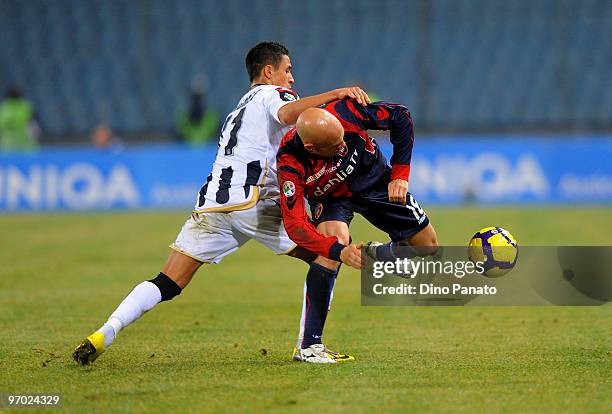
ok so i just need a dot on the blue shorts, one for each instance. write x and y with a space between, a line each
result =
398 221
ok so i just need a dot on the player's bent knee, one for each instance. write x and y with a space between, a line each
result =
344 239
327 263
432 238
335 228
425 242
166 286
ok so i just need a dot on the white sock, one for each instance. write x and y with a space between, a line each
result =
302 320
140 300
331 295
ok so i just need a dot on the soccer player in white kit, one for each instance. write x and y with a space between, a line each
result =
237 201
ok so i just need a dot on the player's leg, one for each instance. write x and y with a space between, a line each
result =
407 225
302 254
318 290
425 240
332 217
175 275
264 224
181 268
423 243
319 285
189 252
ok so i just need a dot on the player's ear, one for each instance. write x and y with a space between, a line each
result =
308 146
267 71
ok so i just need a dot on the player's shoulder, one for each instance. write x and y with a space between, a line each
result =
263 96
287 94
278 92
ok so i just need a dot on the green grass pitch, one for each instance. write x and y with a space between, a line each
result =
224 345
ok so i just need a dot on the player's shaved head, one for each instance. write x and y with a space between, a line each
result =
319 128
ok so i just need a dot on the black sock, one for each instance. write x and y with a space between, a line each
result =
319 284
167 287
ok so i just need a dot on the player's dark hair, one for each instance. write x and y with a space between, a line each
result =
264 53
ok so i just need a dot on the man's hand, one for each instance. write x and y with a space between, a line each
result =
351 255
397 191
354 92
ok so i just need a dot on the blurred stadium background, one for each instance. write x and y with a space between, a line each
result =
497 89
470 65
512 101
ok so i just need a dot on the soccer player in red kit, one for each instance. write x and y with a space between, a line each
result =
330 160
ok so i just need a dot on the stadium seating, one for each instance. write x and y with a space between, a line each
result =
458 64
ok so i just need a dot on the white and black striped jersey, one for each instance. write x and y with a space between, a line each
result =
245 167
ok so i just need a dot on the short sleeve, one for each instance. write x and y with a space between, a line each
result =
277 98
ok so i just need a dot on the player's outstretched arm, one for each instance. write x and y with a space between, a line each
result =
288 114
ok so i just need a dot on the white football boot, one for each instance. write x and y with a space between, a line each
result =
314 354
370 254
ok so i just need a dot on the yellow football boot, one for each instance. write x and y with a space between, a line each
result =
319 353
337 356
90 349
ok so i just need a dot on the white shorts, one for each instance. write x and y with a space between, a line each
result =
209 237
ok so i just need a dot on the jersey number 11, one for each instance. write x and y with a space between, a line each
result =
233 138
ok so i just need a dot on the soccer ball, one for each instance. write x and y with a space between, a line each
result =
497 248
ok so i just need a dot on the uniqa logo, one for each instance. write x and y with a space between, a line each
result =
78 186
485 177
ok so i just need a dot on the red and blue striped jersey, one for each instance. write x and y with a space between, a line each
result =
305 175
